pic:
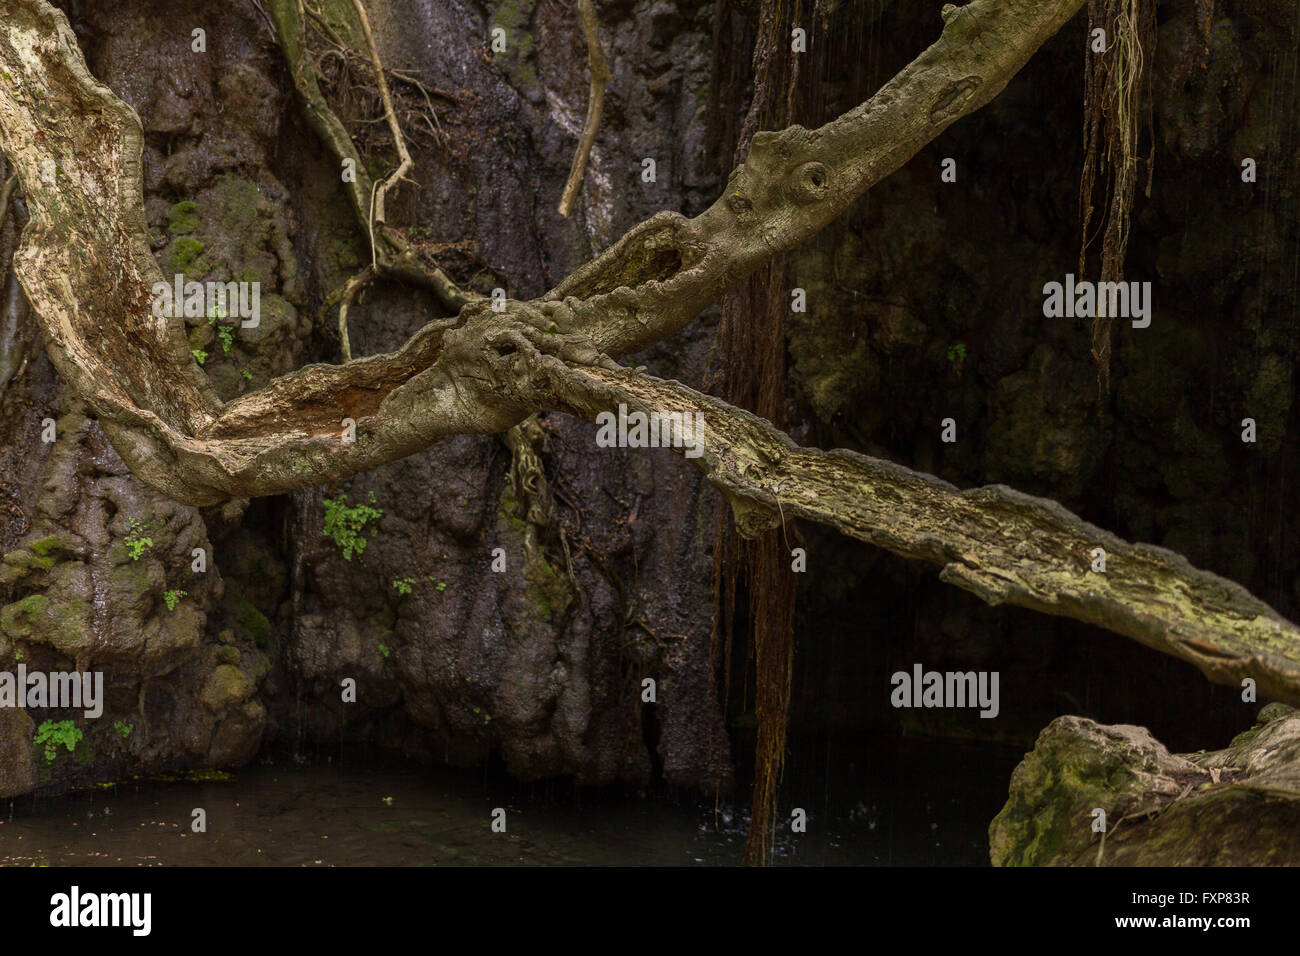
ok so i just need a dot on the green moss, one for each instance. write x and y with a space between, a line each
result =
182 218
226 685
185 249
509 512
18 619
50 545
132 577
547 588
25 559
516 18
346 254
254 622
59 622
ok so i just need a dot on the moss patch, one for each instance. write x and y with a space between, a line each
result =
182 218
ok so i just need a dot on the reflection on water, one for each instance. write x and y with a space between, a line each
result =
322 816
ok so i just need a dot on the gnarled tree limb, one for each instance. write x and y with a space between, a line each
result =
87 271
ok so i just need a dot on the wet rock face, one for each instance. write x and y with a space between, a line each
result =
1231 807
104 582
543 663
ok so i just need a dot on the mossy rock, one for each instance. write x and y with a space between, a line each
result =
254 623
61 622
226 686
1238 806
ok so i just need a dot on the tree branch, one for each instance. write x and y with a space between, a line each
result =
86 268
1004 546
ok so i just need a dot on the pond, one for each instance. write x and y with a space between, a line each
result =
906 802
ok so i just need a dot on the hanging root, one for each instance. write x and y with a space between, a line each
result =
343 297
1114 108
751 363
393 256
377 206
600 77
528 481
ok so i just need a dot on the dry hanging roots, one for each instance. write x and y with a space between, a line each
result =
1115 108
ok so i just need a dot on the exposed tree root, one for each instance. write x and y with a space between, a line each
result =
377 216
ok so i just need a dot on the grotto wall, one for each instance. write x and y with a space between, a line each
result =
925 304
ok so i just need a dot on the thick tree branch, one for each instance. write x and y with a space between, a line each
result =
1004 546
169 428
87 271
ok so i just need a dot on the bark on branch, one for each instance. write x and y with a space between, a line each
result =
87 270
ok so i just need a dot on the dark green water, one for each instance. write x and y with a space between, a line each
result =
927 808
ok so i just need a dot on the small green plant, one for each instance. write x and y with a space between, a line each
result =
18 653
51 734
248 376
442 585
200 356
137 543
216 315
344 524
123 729
388 801
957 353
403 585
173 598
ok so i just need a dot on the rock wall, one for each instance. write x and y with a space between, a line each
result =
924 303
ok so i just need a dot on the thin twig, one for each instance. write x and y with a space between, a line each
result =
600 77
344 296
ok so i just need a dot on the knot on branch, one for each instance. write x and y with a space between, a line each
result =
953 97
809 183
